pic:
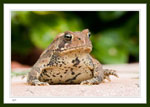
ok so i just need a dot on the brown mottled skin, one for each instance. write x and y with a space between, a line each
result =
67 60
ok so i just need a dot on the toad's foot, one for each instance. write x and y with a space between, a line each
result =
38 83
108 72
93 81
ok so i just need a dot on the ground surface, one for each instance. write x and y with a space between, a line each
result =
127 85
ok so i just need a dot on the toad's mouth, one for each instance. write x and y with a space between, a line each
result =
81 49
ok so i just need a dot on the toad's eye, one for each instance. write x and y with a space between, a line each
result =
89 34
68 36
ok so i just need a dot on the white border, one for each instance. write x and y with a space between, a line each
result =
73 7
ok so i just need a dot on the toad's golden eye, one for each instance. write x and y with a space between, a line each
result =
68 36
89 34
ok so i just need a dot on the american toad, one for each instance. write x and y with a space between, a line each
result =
67 60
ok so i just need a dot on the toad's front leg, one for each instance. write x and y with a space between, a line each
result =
108 72
33 78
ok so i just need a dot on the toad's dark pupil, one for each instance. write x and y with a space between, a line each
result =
89 34
68 36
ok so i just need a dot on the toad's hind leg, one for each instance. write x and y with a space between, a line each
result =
100 76
33 78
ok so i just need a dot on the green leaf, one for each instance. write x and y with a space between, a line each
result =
109 47
42 36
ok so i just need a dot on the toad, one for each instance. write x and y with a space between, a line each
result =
67 60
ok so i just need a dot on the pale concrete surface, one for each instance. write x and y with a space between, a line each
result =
127 85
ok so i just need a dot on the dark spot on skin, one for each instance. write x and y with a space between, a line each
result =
44 71
47 75
53 75
71 69
79 39
60 76
60 65
65 71
72 73
79 67
46 80
92 72
47 51
40 79
63 63
71 79
57 73
75 61
41 75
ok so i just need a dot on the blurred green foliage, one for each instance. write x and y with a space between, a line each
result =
115 34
